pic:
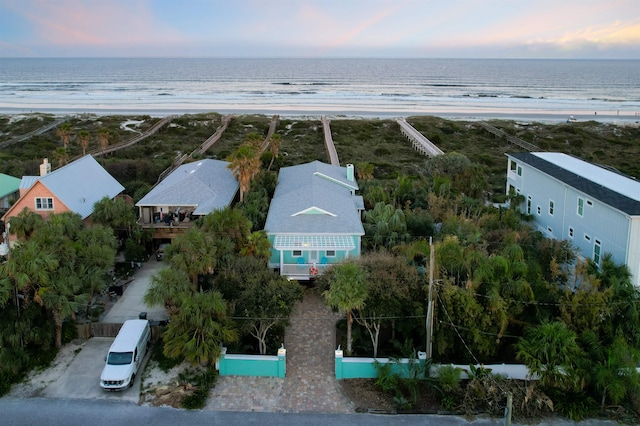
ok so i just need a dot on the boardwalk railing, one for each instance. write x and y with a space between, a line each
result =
420 143
134 140
272 129
38 131
328 141
203 148
511 139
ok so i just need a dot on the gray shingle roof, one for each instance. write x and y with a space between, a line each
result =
324 192
79 185
208 184
604 185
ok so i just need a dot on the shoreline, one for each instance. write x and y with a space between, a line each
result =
545 117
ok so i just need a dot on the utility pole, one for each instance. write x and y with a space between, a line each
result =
429 320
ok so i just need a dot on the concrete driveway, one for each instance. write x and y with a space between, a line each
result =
82 378
130 304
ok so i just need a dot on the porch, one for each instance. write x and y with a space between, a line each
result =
302 271
303 257
166 222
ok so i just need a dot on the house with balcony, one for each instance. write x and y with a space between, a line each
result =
595 208
75 187
314 219
191 191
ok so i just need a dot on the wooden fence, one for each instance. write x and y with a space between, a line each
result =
105 329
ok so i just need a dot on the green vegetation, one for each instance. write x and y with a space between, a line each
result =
503 292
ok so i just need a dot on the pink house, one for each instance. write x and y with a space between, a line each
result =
75 187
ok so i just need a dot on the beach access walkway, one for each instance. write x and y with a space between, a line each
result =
328 142
134 140
272 129
420 143
509 138
36 132
211 140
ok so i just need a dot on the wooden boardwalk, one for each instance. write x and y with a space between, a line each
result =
328 142
134 140
420 143
215 137
36 132
211 140
511 139
272 129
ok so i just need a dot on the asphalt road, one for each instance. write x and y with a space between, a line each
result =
83 412
68 412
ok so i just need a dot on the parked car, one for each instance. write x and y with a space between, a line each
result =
160 252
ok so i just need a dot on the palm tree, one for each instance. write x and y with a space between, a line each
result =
245 165
166 289
115 213
347 292
364 171
103 137
550 351
63 297
64 131
274 143
62 155
25 223
194 253
84 137
199 328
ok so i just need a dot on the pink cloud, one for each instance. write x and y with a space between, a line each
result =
99 23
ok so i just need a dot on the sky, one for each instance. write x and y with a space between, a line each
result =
592 29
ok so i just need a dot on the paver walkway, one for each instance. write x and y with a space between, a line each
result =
309 385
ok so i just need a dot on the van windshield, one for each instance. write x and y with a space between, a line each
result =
119 358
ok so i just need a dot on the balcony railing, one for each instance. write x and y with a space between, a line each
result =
302 271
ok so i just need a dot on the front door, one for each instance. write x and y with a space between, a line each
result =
313 256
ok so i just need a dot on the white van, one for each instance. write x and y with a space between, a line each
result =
125 355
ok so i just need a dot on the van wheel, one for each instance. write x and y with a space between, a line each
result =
133 377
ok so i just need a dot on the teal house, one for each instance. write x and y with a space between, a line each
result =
314 219
9 190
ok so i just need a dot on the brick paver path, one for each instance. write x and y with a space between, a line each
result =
310 384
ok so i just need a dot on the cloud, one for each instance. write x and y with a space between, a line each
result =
74 23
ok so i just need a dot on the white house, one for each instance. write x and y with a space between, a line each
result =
597 209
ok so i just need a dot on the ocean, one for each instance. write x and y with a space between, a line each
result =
605 90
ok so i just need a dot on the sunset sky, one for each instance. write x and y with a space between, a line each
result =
321 28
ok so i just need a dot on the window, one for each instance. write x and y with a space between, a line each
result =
549 230
296 253
529 204
570 232
580 206
330 253
586 237
519 171
597 247
539 210
512 166
44 203
589 203
551 207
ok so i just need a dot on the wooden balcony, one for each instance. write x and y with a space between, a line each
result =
162 230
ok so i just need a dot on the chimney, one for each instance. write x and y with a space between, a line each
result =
350 176
45 167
